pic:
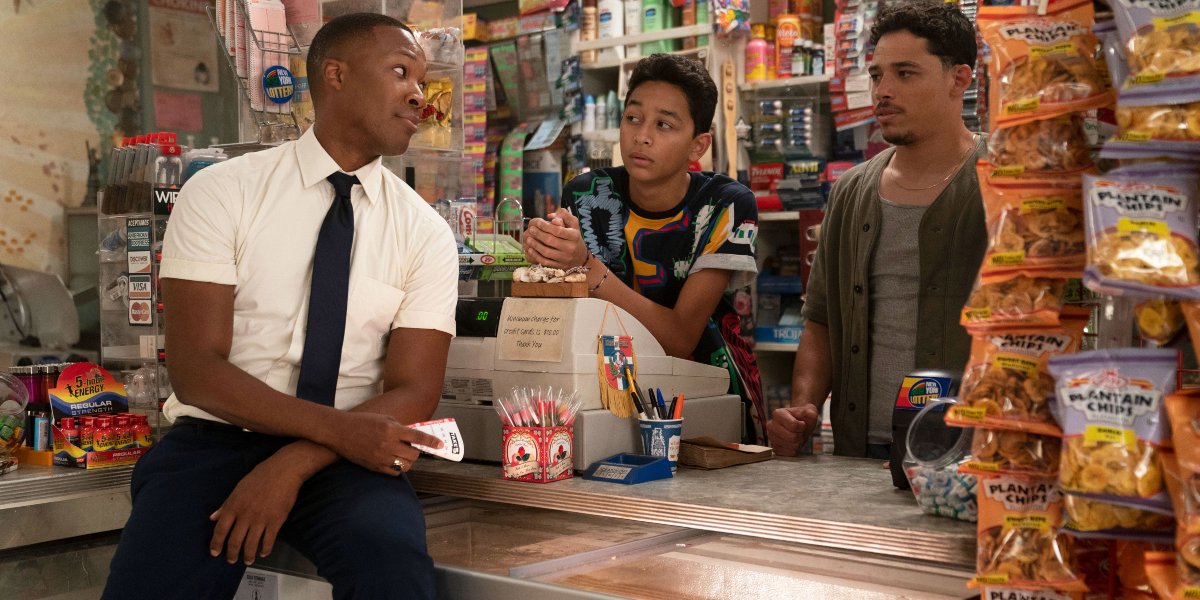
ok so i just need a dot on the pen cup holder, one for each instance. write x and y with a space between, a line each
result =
538 454
661 438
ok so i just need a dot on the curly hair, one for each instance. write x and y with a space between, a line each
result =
689 76
948 33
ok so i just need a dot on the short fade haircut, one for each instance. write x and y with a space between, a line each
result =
339 31
948 33
689 76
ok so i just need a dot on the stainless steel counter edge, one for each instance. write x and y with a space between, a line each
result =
931 539
47 504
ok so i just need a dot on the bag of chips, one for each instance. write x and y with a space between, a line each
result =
1159 320
996 592
1042 66
1019 543
1141 230
1008 301
1183 469
1000 451
1055 145
1090 517
1110 406
1164 130
1162 47
1035 227
1006 383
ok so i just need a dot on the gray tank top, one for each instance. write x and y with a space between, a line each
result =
894 281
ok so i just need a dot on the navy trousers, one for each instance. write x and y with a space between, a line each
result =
364 531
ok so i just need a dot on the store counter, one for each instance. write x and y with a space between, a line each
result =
823 501
815 526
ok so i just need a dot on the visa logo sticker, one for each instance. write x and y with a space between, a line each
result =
139 287
915 392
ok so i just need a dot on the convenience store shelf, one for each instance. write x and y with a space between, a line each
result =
777 84
780 215
649 36
776 347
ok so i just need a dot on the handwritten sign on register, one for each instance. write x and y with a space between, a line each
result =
532 329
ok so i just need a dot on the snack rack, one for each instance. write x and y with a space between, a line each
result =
272 123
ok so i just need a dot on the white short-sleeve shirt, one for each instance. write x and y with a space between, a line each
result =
252 222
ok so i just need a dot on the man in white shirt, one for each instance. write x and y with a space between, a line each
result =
268 441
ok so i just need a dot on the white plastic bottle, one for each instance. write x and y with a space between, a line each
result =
633 26
611 17
601 114
589 114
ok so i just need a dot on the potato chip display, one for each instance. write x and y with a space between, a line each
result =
1013 453
1042 66
1110 406
1034 227
996 592
1054 145
1183 469
1019 539
1006 383
1141 230
1013 301
1162 47
1088 516
1159 319
1170 131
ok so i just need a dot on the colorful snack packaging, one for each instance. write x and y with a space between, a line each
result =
1011 301
1183 468
995 592
1034 227
1165 130
1110 406
1042 66
1006 383
1162 47
1159 319
1141 230
1020 544
1191 316
1090 517
1000 451
1055 145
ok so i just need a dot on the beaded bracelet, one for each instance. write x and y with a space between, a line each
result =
601 280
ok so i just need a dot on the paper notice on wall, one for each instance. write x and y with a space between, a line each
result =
183 48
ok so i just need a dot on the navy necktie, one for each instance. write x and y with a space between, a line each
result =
327 297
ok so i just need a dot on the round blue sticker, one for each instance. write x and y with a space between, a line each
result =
278 84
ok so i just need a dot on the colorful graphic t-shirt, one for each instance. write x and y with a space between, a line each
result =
713 227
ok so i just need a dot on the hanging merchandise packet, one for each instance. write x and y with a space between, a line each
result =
1019 542
1012 301
1162 48
1006 384
1007 452
1035 226
1055 145
1141 231
1110 407
1042 66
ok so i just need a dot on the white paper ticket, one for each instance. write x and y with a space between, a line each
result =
445 430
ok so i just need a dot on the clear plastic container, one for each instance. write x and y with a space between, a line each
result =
934 452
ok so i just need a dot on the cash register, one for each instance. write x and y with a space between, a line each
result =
529 342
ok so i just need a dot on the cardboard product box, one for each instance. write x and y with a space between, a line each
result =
474 28
538 454
501 29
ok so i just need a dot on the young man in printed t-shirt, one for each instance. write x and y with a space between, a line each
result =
663 243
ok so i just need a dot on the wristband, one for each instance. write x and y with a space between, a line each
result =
601 281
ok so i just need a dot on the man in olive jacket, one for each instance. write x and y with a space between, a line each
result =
901 243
